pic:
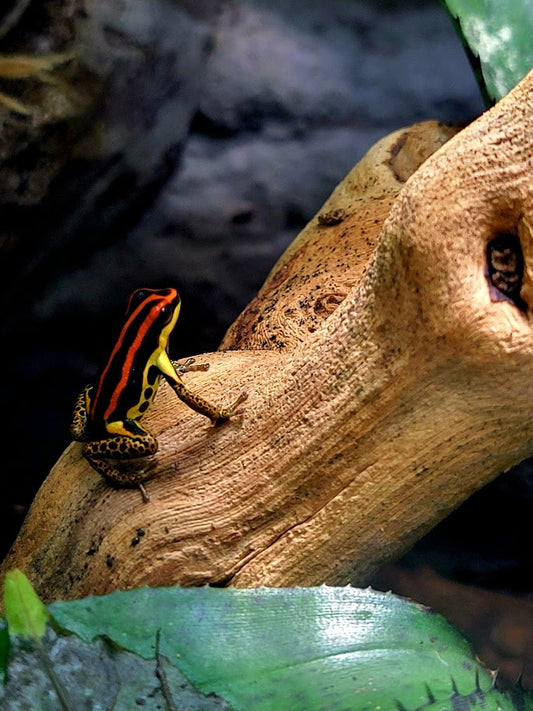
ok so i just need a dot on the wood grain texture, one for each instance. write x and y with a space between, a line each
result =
401 388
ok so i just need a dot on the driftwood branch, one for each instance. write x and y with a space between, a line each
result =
391 378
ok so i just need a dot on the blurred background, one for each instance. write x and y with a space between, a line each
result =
185 143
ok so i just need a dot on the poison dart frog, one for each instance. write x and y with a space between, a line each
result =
106 416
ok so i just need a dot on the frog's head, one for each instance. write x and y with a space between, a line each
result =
154 311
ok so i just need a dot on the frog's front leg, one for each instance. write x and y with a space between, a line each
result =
122 447
188 366
199 404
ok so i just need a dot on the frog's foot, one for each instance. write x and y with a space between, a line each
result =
129 479
226 413
144 493
189 366
116 474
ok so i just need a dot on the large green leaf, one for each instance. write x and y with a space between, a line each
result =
499 33
298 649
303 649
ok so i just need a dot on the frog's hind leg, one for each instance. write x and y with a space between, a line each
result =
78 425
122 449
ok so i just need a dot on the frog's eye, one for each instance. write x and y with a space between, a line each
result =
166 313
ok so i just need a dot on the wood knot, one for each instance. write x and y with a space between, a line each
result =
505 262
332 217
327 303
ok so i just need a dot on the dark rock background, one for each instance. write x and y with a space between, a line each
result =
198 138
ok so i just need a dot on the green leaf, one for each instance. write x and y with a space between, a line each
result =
309 649
26 615
499 33
303 649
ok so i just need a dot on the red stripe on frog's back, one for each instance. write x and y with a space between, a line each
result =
144 334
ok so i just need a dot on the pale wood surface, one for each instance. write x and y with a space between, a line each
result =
385 407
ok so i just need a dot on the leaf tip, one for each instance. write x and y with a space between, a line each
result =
25 614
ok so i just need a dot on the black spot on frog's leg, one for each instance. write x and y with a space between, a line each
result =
79 423
153 374
199 404
148 392
122 447
118 477
144 406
